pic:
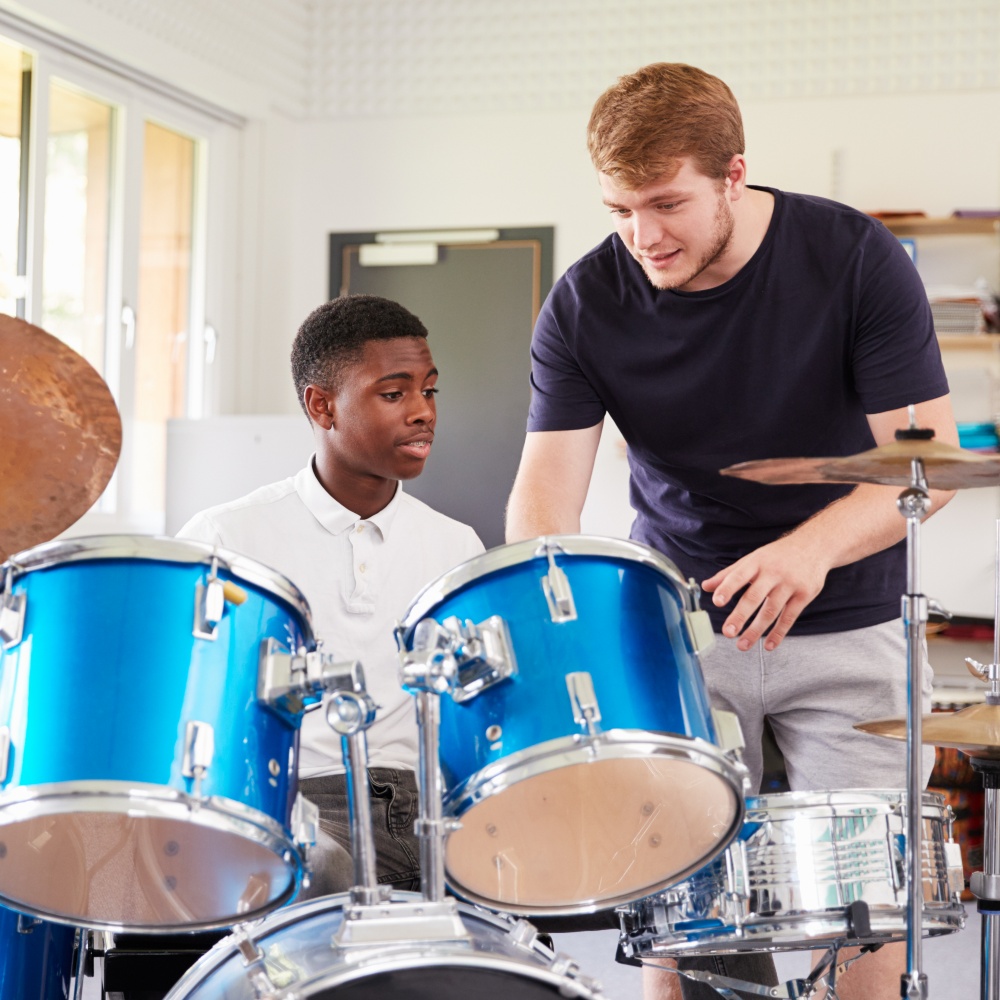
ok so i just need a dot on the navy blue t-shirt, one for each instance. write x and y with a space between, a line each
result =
827 322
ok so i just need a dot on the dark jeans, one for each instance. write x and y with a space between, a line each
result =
394 808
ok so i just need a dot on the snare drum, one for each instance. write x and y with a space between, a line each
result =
586 773
36 958
145 784
793 878
295 953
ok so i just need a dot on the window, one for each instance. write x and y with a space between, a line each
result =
105 242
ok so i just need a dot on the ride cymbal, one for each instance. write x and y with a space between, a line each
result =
974 730
946 467
61 436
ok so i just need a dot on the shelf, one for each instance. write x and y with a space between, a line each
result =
970 341
920 225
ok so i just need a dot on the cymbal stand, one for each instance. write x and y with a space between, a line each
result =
914 504
985 885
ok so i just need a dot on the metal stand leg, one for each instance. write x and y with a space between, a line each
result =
432 829
986 884
914 505
81 963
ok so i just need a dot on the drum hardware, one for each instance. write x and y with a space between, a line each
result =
62 436
210 599
586 710
292 683
4 753
304 823
919 463
699 624
482 654
558 593
11 611
199 748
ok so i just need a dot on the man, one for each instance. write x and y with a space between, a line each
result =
360 549
723 323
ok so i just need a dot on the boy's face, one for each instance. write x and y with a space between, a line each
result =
383 414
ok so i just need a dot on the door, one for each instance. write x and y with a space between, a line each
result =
478 296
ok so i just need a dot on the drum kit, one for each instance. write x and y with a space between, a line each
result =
570 760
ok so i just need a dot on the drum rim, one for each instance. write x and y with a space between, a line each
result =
149 801
404 953
159 548
760 935
612 744
515 553
759 807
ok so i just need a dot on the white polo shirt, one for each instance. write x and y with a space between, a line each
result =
359 577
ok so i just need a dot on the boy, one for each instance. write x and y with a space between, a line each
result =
360 549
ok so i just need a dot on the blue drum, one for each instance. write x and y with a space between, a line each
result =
146 781
36 958
587 772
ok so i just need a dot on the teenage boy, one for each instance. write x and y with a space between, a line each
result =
359 549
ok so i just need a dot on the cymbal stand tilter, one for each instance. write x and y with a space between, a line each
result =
914 504
985 885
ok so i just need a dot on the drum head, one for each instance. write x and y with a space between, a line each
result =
133 865
596 833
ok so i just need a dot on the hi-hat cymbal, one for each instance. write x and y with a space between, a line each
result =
945 467
60 431
974 730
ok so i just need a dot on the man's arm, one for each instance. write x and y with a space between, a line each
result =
552 482
783 577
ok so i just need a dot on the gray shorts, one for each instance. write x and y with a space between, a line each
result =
812 689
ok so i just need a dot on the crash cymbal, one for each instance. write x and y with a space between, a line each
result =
974 730
60 436
945 467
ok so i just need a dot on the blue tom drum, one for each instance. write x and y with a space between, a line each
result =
587 774
146 780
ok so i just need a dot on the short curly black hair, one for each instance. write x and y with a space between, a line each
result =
332 338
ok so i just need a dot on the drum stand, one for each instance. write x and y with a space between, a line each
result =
914 504
985 885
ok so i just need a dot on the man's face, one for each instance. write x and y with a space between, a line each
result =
384 412
678 227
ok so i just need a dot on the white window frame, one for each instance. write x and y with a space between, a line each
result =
215 248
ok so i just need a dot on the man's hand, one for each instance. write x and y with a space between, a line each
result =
781 578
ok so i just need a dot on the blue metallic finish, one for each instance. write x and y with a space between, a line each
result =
629 635
36 958
108 674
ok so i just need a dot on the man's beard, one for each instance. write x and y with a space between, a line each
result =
722 236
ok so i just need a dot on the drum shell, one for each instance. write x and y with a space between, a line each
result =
108 674
146 786
629 635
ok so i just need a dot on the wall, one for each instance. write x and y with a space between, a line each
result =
415 113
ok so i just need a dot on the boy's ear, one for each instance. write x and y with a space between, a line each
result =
319 406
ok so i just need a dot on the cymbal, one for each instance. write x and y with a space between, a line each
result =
945 467
61 436
974 730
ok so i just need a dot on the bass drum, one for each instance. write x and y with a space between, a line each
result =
298 957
